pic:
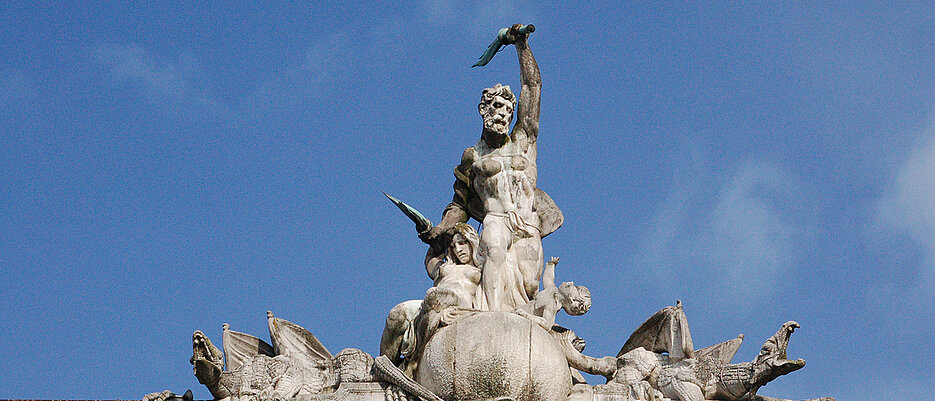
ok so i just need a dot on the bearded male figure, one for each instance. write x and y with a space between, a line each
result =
496 184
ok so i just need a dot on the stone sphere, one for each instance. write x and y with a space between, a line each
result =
492 355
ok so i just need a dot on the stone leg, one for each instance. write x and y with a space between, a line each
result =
495 242
529 258
399 334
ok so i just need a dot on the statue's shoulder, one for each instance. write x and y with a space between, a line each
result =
545 297
463 170
468 156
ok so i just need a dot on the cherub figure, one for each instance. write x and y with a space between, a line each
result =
574 299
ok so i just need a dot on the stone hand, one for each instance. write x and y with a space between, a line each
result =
517 33
429 236
436 234
607 364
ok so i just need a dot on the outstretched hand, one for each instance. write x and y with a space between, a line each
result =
438 237
516 34
513 35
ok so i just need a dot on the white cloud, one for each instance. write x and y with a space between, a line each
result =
741 243
756 228
908 208
668 229
332 59
902 297
158 80
315 74
134 65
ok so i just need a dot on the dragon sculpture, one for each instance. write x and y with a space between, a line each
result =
659 356
295 366
656 363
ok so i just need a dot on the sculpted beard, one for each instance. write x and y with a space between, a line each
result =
496 123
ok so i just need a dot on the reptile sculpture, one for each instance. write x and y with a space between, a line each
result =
705 374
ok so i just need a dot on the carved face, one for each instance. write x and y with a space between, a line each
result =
461 249
576 300
497 113
771 361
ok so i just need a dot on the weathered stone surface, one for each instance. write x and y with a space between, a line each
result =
353 391
584 392
494 355
495 183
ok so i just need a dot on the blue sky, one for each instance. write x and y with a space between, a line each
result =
170 167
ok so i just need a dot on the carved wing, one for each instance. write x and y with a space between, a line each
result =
294 341
664 331
721 353
240 348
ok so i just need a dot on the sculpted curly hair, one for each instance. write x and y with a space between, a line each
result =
498 90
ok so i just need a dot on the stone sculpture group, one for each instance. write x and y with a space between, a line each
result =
486 329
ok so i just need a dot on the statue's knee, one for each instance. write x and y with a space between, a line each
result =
395 320
400 317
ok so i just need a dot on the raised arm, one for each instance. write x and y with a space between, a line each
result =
548 274
439 238
527 111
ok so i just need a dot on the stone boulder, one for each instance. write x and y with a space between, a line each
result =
491 355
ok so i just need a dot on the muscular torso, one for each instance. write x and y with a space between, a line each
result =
505 180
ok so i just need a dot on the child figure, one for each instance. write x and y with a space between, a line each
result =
574 299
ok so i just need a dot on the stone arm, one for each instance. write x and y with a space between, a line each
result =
548 274
527 110
454 213
606 366
539 320
439 237
433 260
463 206
572 346
542 309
